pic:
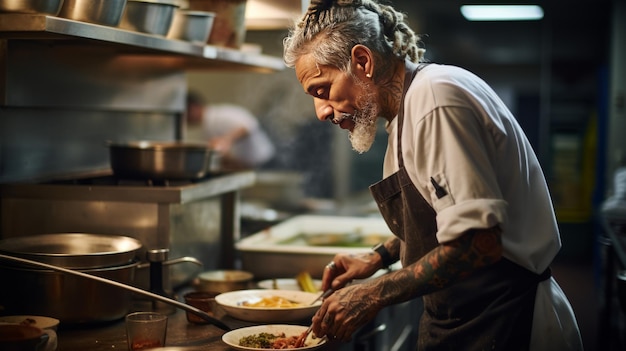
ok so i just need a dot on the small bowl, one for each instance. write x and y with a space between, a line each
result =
224 280
193 26
234 303
202 300
49 7
149 16
104 12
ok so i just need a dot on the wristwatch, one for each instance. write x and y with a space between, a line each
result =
384 255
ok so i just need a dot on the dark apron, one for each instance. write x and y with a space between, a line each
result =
489 310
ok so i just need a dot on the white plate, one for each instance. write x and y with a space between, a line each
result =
232 337
232 303
286 284
37 321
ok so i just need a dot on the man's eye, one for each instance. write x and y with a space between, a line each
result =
320 92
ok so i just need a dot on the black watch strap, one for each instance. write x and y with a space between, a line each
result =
384 254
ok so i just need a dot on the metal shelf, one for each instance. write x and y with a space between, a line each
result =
41 27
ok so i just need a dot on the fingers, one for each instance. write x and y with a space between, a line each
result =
330 272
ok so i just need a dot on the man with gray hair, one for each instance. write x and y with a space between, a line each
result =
463 191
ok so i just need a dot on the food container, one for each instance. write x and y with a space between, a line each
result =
308 243
46 7
149 16
104 12
73 250
161 160
202 300
229 26
223 281
193 26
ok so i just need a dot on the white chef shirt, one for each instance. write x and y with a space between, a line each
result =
458 131
219 119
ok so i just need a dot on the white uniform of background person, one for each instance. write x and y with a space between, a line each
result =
253 150
493 176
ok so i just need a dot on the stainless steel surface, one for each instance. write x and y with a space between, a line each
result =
160 160
104 12
72 300
48 27
193 26
148 16
284 250
74 250
197 219
50 7
182 193
122 286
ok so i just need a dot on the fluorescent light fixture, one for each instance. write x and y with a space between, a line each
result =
502 12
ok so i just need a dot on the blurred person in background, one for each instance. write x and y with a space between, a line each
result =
463 191
231 130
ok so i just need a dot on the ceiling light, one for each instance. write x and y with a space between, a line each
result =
502 12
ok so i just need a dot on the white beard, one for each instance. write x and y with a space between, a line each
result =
364 132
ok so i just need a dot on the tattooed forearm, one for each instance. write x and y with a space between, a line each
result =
444 265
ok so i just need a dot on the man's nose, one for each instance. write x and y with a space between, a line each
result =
323 110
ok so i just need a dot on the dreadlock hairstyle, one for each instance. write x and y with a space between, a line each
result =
331 28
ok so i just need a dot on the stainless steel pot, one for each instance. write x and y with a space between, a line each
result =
70 299
161 160
113 284
74 250
104 12
48 7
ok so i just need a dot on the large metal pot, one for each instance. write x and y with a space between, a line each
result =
71 299
74 250
161 160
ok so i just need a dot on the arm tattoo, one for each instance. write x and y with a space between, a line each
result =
442 266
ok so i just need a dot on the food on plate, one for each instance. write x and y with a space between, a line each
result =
306 282
272 301
277 342
28 321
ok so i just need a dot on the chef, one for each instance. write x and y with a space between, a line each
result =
462 190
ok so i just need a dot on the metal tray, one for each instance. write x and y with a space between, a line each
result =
307 243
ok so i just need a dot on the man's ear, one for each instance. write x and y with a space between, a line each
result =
362 61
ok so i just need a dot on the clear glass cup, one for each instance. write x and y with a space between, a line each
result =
145 330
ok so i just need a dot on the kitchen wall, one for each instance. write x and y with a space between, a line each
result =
61 102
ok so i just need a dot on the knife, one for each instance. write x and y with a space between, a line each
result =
323 295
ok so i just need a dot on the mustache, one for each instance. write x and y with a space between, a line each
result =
341 118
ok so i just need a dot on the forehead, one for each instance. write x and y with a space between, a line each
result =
306 69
